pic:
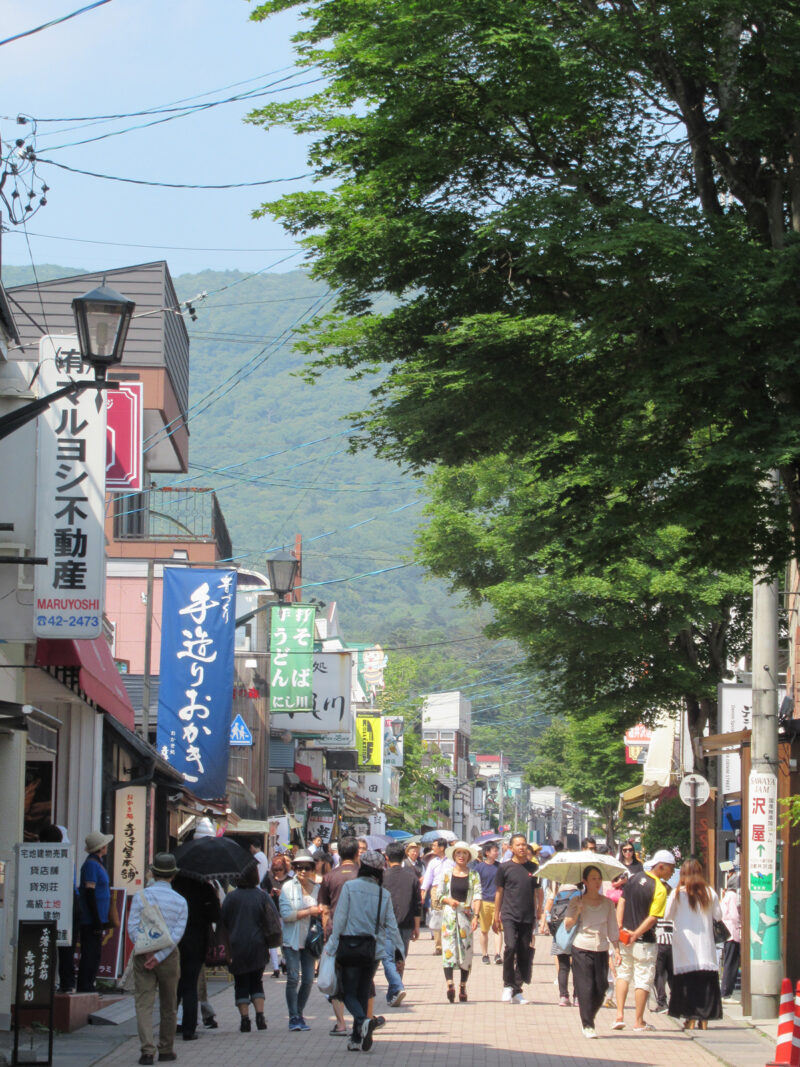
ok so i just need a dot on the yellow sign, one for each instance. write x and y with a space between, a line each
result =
369 741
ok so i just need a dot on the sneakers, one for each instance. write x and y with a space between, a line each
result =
367 1029
575 1000
303 1024
296 1023
379 1021
588 1031
564 1002
662 1009
485 959
498 959
397 999
518 999
508 993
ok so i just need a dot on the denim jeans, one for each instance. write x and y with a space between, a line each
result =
300 966
393 972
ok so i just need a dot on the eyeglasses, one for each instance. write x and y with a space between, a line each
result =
302 867
627 850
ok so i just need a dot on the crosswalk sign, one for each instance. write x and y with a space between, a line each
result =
240 735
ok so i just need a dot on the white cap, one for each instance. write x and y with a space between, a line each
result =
662 856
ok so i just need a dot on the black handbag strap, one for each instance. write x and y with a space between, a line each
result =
378 916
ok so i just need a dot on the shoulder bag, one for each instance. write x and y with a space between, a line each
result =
153 934
355 950
565 937
721 932
315 939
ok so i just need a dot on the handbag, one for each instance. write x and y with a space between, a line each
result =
153 933
721 932
565 937
558 911
326 979
273 932
315 940
357 949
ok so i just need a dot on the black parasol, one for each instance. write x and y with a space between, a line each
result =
212 857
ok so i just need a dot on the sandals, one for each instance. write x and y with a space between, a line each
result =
618 1025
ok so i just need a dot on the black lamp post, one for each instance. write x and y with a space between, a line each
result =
282 569
397 727
102 318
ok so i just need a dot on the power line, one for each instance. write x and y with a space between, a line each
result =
54 22
169 185
166 248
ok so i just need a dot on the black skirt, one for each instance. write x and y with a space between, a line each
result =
696 995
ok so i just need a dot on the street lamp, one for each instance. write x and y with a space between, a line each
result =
397 727
102 318
282 569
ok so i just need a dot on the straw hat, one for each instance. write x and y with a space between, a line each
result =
462 845
95 841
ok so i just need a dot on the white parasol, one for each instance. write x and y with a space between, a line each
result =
568 866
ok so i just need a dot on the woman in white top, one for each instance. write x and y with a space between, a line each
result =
597 919
693 906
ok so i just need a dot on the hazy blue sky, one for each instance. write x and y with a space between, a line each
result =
126 56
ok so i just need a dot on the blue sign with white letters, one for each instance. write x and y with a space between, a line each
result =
196 691
240 735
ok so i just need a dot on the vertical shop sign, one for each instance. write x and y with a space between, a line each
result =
124 453
46 886
762 833
291 644
195 695
129 824
393 741
369 742
70 492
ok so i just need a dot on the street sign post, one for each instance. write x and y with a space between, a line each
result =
693 790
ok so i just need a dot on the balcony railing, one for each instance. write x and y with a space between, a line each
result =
172 515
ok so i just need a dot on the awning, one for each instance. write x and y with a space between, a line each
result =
638 796
98 677
354 806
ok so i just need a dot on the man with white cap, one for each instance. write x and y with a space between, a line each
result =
641 905
94 898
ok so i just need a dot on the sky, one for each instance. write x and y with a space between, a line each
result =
131 55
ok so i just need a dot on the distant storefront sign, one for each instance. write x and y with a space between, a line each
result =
70 500
46 886
291 645
369 741
195 695
330 699
320 821
124 415
637 742
129 825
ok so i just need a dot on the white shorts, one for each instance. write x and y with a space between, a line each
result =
638 964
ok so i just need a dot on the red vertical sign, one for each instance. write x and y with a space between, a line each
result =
124 460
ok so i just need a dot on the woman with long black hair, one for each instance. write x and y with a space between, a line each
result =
596 919
693 907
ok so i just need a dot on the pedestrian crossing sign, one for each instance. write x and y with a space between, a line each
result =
240 735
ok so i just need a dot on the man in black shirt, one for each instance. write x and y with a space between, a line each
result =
517 906
403 886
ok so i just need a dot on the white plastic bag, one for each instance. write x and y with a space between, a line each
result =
153 933
326 979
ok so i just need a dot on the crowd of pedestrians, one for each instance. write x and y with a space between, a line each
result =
625 930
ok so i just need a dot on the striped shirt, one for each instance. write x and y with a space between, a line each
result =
173 907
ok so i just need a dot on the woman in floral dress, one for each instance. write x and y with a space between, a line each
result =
460 896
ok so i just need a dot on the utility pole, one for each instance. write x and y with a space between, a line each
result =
501 795
762 803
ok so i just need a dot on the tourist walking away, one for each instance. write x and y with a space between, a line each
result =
641 905
596 919
460 897
732 953
402 884
363 920
253 928
203 904
518 906
159 969
299 914
693 908
430 884
329 893
94 899
554 914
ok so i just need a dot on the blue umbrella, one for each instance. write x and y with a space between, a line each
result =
434 835
486 837
399 835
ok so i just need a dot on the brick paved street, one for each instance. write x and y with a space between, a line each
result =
482 1033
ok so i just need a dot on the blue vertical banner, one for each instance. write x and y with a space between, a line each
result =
196 685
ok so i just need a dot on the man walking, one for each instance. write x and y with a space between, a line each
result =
160 969
517 906
641 905
430 882
403 886
487 872
329 893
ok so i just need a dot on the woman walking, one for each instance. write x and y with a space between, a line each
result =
253 928
298 906
596 918
693 907
460 896
363 920
627 855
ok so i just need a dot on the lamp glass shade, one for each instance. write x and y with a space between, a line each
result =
282 570
397 726
102 317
